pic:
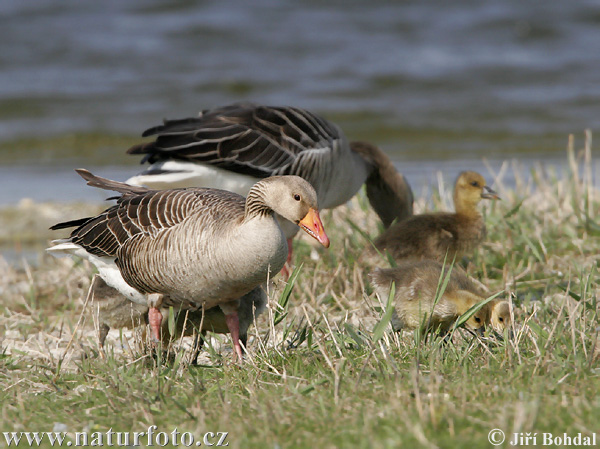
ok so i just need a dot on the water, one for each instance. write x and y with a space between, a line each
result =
436 84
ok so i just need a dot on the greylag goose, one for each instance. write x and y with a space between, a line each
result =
115 311
435 235
191 248
234 146
416 285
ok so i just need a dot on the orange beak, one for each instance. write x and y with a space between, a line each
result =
312 225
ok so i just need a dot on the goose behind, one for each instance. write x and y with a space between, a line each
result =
234 146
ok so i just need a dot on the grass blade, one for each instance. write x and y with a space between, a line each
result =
380 327
473 310
284 300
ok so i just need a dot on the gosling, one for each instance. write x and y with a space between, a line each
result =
416 285
439 235
501 316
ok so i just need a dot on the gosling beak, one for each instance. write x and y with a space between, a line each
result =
489 194
312 225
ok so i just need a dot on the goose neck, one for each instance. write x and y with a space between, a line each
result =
256 203
465 208
373 157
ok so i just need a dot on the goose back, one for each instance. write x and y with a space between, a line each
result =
260 141
388 191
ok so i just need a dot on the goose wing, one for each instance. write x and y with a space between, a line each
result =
245 138
144 213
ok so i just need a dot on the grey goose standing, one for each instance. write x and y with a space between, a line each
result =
191 248
232 147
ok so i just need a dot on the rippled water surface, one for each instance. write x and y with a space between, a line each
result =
437 84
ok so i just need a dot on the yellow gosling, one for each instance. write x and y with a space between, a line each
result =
501 315
416 284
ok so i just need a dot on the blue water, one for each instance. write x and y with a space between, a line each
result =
436 84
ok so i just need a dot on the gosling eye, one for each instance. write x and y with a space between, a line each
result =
500 319
475 184
477 319
297 197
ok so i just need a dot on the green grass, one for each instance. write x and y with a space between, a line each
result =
326 375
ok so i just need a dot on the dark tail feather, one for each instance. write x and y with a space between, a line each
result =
147 149
107 184
176 126
141 148
70 224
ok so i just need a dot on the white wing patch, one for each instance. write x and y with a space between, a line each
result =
107 269
178 174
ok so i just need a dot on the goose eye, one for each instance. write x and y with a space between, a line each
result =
475 184
297 197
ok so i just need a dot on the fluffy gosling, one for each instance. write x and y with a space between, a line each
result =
501 317
432 236
416 285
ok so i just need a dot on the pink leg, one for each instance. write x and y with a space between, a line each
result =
286 270
233 324
155 318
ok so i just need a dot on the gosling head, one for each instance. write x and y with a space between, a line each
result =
478 321
463 301
500 316
470 189
295 200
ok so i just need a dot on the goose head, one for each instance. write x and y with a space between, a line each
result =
469 190
294 199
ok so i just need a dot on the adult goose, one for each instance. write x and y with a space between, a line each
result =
192 248
416 291
440 235
234 146
115 311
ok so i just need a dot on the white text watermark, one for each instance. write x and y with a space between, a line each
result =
149 438
536 439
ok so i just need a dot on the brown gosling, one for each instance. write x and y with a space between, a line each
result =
115 311
435 235
416 284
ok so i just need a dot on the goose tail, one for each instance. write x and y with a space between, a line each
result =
108 184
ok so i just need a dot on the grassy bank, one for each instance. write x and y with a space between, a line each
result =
322 377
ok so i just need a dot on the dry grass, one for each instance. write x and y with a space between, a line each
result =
322 377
